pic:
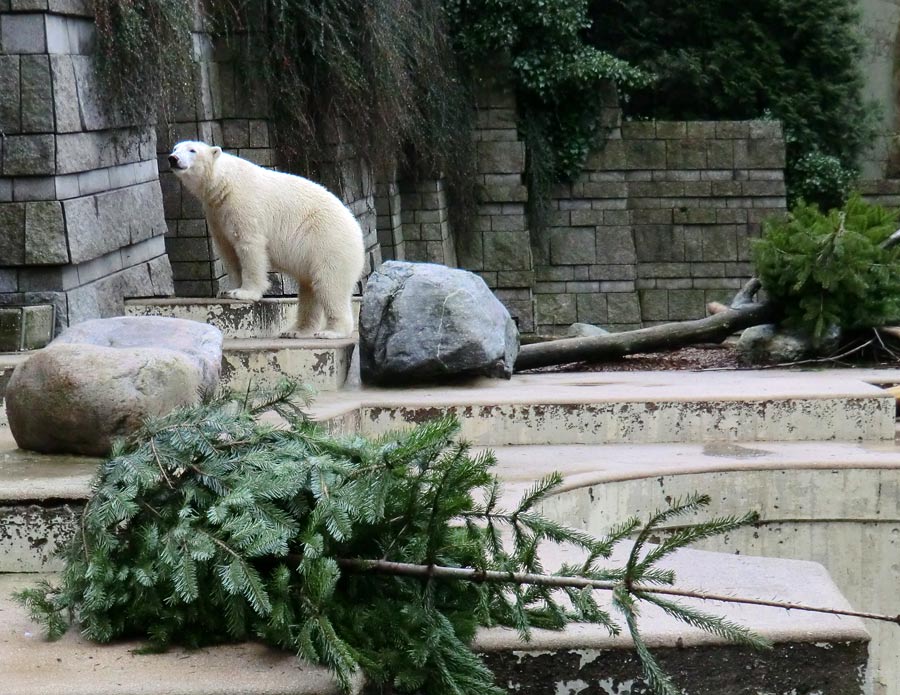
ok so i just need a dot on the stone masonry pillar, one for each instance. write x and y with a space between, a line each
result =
81 215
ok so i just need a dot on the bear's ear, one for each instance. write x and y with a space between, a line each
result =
216 151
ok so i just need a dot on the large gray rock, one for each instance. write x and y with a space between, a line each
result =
771 344
424 322
585 330
100 379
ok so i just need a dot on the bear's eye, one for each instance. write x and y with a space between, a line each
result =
193 151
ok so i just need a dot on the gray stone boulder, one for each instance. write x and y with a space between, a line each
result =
771 344
422 322
100 379
585 330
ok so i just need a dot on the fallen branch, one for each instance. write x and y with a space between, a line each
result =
891 241
474 575
712 329
746 294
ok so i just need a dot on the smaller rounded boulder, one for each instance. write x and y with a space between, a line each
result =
100 379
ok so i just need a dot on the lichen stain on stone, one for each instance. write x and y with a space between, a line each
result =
227 372
33 533
324 364
420 415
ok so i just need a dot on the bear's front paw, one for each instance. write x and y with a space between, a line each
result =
242 295
296 334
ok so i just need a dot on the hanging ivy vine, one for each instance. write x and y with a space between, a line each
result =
379 76
561 81
388 78
144 57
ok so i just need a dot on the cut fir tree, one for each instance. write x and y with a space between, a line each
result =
376 555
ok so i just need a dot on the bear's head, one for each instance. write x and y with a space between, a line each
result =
193 160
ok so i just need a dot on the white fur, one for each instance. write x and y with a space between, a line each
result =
261 219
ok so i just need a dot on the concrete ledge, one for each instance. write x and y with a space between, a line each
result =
267 318
833 503
636 407
40 499
813 653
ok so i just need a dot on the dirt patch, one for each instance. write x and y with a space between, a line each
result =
689 358
704 358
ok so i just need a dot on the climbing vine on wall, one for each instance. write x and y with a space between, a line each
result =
378 78
794 60
561 81
388 78
559 78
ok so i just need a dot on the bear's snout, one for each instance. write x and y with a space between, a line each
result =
173 159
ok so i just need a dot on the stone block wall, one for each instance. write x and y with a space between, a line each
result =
389 224
499 246
424 220
217 115
351 178
81 216
658 224
227 111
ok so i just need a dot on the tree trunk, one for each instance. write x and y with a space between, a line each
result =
712 329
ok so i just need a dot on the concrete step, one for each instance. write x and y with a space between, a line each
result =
829 652
813 652
632 407
320 364
40 495
589 467
267 318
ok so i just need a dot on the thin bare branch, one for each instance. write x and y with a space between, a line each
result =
473 575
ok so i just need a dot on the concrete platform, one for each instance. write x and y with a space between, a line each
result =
633 407
29 665
267 318
585 466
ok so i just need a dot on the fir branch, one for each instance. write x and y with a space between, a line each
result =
658 680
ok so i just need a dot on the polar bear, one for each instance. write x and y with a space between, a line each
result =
261 219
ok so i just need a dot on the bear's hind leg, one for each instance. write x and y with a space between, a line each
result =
254 273
309 314
338 318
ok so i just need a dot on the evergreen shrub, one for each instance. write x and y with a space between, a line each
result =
211 526
832 268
